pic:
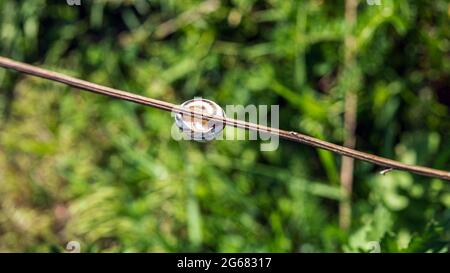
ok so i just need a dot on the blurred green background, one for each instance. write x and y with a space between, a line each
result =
106 173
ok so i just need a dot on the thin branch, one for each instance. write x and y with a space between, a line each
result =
290 135
350 112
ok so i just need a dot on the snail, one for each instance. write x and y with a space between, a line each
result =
196 128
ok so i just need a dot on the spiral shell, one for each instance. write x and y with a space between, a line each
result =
196 128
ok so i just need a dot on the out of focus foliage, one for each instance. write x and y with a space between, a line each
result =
106 173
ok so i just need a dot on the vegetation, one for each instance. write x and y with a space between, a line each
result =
79 166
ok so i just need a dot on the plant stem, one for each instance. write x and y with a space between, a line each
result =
350 115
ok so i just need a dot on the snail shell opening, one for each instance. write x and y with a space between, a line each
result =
196 128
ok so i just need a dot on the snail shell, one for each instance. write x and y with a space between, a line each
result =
196 128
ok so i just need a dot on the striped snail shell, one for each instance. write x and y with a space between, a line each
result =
196 128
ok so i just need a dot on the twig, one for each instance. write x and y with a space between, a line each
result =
350 112
294 136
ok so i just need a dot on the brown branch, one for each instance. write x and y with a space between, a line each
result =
350 112
290 135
